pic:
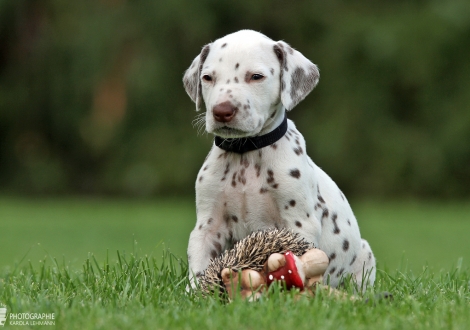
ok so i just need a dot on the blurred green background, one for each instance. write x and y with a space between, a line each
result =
92 104
403 234
91 98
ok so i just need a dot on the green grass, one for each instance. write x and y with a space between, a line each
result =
140 293
76 273
414 234
73 228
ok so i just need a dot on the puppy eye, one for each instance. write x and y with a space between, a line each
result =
206 77
257 76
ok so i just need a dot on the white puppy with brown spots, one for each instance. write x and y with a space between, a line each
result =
257 174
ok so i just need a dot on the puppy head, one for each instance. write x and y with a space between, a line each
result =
246 80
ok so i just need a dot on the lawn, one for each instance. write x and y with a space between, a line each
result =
71 267
71 229
412 234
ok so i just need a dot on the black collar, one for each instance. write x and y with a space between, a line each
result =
242 145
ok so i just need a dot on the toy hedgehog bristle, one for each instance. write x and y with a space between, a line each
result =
251 253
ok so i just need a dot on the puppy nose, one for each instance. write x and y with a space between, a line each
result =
224 112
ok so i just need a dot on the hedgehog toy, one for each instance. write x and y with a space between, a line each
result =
262 258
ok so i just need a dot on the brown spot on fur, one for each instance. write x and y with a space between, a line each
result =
225 44
237 65
353 259
227 169
258 170
295 173
234 218
233 179
298 224
320 198
248 75
341 271
241 176
270 176
213 254
281 55
336 230
244 161
224 154
218 247
292 131
292 203
279 52
332 256
236 80
270 180
302 83
263 190
274 146
345 245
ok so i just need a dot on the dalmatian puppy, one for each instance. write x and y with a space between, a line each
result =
257 174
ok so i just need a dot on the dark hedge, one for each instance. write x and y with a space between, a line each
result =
91 97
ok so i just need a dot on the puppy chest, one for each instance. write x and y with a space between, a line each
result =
239 187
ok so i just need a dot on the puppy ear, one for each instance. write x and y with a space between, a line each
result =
192 79
298 75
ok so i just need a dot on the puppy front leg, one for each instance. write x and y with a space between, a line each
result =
207 241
